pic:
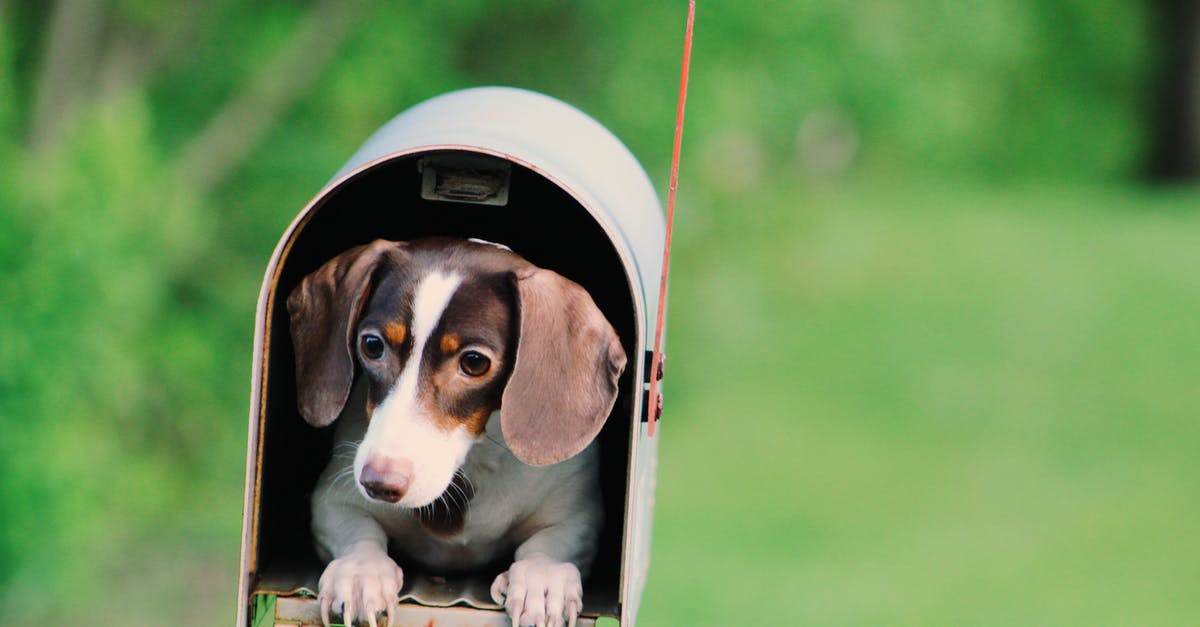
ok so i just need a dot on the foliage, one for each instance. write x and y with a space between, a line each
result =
936 349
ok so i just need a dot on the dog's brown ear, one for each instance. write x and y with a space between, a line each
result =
564 379
324 312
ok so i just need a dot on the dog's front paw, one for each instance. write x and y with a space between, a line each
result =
360 585
540 592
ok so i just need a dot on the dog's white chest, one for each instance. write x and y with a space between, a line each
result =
508 498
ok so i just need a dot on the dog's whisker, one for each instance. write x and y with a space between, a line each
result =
458 491
465 479
452 499
345 450
344 476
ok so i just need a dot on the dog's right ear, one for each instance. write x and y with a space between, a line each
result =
564 378
324 311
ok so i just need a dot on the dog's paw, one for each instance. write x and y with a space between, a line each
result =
540 593
360 586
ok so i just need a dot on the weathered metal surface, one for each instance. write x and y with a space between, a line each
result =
419 587
583 159
293 611
553 138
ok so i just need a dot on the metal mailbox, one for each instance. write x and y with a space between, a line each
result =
504 165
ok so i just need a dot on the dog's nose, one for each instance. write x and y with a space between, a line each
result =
386 478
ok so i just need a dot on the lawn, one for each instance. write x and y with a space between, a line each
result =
932 405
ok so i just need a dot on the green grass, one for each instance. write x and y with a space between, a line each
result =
920 405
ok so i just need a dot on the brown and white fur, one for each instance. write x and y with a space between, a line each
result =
482 381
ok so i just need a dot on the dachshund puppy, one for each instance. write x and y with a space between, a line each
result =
470 385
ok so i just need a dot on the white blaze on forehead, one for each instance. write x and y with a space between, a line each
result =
429 303
400 426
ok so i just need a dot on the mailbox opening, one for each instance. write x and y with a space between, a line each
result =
397 198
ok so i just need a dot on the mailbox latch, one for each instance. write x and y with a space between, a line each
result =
469 178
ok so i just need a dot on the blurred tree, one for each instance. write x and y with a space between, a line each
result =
1176 115
241 124
70 49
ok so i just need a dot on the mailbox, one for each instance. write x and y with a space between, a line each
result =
504 165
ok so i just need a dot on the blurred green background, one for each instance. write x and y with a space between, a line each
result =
934 338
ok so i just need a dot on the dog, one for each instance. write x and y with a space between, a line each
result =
470 386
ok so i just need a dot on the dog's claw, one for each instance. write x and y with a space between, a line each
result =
500 588
515 602
326 604
572 610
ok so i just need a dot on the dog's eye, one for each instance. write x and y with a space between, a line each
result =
474 364
371 346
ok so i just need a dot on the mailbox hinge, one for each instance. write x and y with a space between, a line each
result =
652 372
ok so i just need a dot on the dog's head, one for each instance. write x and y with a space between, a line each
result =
445 332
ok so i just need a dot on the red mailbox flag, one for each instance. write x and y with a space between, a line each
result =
656 363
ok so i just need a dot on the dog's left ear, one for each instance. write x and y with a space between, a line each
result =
324 310
564 379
